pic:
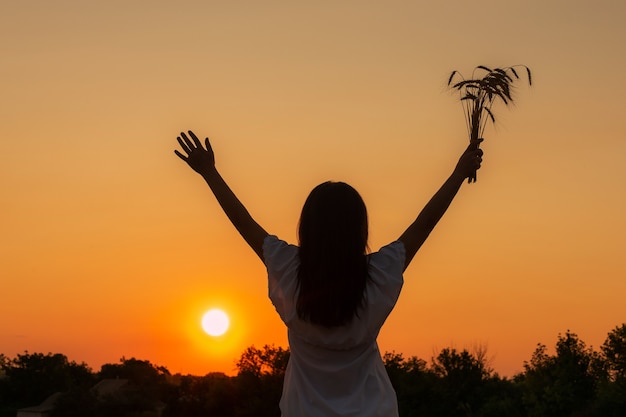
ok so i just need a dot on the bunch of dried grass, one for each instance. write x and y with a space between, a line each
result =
477 96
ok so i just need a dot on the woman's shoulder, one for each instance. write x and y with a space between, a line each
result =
387 265
276 250
392 253
274 242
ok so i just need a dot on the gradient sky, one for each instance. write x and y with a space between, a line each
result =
110 246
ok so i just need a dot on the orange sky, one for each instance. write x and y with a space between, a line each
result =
112 247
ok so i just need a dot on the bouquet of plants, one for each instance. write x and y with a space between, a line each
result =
478 95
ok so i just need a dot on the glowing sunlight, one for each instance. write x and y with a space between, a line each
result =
215 322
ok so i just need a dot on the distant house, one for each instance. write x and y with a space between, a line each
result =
108 386
102 388
42 410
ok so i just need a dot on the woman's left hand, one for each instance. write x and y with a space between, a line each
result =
198 158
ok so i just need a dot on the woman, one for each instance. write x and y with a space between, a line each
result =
331 294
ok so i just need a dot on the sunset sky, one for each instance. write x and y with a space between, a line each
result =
110 246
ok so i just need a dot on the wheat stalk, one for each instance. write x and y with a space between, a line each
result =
478 95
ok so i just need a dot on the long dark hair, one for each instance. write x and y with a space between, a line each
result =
333 233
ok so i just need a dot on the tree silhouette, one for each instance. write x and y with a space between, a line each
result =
462 376
614 350
269 360
612 395
214 394
260 379
574 381
31 378
414 383
561 384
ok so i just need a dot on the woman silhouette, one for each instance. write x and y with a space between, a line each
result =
332 294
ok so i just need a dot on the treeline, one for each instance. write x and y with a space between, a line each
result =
574 381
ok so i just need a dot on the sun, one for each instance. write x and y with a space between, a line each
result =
215 322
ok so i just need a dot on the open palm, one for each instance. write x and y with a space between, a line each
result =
199 158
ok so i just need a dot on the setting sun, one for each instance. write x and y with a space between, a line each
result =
215 322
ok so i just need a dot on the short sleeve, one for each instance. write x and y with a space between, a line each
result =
281 260
390 258
386 269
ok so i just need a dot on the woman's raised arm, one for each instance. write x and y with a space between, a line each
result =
415 235
202 160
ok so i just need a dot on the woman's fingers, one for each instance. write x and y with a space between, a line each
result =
180 155
195 139
183 145
479 157
190 145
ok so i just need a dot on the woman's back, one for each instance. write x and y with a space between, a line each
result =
336 370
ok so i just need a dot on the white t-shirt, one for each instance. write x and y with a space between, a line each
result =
336 371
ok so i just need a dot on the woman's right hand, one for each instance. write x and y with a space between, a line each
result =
470 161
197 157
